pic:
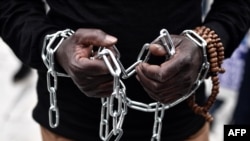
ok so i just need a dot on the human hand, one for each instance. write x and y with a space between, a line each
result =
174 78
91 76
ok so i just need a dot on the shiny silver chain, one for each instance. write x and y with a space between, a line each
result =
120 94
48 59
115 107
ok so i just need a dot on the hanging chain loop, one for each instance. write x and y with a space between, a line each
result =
159 114
114 106
48 51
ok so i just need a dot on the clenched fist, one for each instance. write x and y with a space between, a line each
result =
174 78
91 76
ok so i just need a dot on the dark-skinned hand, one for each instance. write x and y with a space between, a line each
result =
91 76
174 78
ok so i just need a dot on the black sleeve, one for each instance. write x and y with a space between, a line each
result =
231 20
23 25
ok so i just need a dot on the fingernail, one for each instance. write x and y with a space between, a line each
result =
111 38
159 47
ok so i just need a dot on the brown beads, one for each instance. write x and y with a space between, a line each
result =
215 51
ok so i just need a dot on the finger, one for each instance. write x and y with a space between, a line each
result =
81 63
158 91
153 85
168 69
157 73
149 84
164 92
157 50
148 71
89 67
94 37
81 52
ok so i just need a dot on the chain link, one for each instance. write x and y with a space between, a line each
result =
104 122
159 114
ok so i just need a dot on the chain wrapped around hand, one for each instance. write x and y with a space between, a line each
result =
114 108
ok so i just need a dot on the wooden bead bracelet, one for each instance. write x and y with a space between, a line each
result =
215 51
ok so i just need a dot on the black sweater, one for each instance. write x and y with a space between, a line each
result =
24 23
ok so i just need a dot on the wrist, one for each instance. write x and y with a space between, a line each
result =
202 44
215 57
214 47
50 45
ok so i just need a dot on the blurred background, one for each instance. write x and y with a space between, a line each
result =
17 98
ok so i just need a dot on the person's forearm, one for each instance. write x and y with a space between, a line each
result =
23 27
230 19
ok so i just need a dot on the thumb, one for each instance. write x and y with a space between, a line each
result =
95 37
110 39
157 50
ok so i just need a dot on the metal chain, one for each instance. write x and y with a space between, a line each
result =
107 103
104 122
48 59
51 77
159 108
114 108
159 114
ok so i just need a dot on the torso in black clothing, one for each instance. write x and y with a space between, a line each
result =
133 22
